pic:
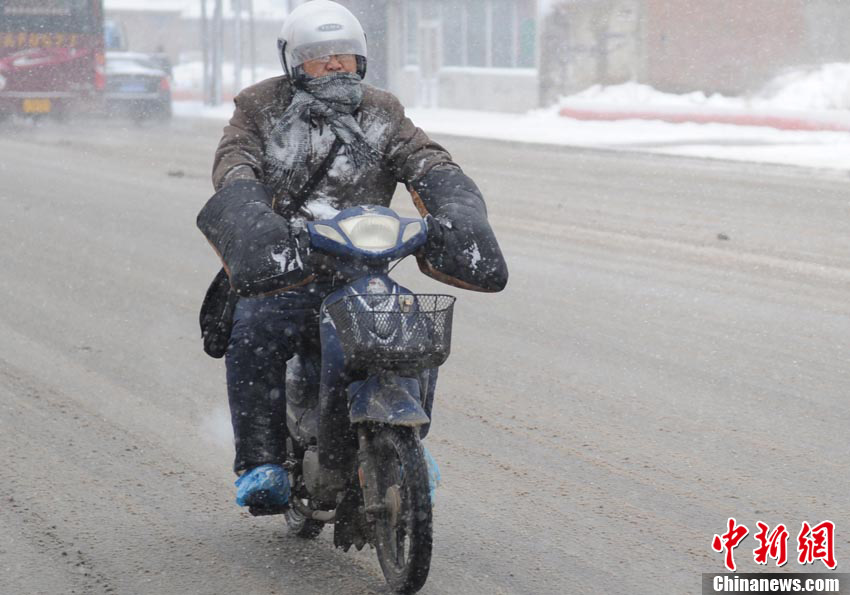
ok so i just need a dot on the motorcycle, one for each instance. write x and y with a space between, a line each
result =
359 404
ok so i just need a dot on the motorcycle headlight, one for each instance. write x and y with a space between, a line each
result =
411 230
330 232
374 233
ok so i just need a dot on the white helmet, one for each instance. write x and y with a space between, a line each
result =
317 29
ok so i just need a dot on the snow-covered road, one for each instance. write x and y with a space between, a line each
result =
673 349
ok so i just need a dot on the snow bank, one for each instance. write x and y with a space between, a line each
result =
824 88
633 94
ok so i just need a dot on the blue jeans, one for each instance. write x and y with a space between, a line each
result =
267 331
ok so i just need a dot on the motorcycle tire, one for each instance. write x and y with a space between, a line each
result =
403 534
301 526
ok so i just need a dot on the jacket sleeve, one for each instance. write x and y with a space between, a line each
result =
260 251
240 150
462 249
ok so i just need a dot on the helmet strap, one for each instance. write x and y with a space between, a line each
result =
281 47
298 76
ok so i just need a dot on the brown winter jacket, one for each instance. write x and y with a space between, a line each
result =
408 152
461 249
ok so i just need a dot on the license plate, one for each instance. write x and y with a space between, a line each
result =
134 87
36 106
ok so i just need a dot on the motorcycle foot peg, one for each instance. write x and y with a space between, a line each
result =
267 511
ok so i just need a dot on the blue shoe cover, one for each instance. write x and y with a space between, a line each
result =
434 476
271 479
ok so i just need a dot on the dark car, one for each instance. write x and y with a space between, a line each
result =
137 85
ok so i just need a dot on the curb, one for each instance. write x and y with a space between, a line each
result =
780 122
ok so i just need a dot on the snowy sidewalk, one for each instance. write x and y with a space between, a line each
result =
799 100
798 120
829 150
719 141
801 118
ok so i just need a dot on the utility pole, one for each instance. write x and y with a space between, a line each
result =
205 54
217 43
237 46
253 42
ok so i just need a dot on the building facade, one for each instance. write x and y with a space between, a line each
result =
587 42
464 54
517 55
717 46
721 46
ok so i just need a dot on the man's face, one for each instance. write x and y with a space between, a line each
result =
330 64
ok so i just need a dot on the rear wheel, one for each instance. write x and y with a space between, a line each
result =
301 526
403 531
297 522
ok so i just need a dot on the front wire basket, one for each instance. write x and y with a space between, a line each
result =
394 330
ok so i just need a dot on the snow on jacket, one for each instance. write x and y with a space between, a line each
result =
408 153
463 252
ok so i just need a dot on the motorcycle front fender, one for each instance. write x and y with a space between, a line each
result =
387 399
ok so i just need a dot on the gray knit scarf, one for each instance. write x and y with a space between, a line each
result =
330 100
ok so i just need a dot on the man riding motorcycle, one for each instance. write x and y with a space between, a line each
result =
314 141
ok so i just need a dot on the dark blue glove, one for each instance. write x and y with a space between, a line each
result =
260 250
461 249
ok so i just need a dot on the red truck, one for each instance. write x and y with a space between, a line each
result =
51 56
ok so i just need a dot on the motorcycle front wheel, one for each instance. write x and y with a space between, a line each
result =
403 531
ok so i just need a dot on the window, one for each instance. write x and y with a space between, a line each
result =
453 21
47 16
527 31
55 8
411 27
477 33
503 42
